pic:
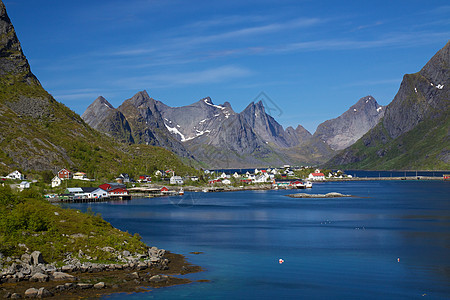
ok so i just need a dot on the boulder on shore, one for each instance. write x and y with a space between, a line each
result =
36 258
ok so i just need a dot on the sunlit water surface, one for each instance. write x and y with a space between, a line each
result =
390 242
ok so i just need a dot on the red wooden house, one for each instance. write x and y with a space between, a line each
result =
64 174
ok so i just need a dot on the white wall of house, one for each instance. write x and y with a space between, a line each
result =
15 175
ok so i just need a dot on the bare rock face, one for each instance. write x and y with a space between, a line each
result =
147 124
346 129
414 126
12 60
421 96
36 258
297 136
102 116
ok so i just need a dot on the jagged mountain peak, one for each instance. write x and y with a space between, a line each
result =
414 131
140 98
102 101
258 106
343 131
437 67
12 60
364 105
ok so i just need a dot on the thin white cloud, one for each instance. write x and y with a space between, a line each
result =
394 40
214 75
192 40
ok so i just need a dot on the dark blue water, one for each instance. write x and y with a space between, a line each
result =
346 248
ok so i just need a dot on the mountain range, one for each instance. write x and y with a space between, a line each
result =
142 134
217 136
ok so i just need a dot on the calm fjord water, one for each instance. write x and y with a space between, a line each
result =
391 243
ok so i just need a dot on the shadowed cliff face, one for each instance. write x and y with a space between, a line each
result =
421 96
147 124
217 136
12 59
38 133
413 133
102 116
346 129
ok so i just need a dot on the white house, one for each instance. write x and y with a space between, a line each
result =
252 177
193 178
226 181
15 175
316 176
24 185
223 175
260 179
80 176
56 181
158 173
75 191
176 180
87 192
236 175
97 193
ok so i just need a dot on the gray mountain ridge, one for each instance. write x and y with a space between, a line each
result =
413 134
346 129
218 136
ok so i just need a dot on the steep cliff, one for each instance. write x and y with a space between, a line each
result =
39 134
345 130
414 132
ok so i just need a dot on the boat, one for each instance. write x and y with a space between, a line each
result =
308 184
181 192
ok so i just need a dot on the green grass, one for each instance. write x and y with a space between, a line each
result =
60 138
418 149
29 220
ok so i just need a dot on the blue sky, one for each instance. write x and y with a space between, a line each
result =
313 59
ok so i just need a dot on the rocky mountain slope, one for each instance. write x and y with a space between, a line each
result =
414 132
213 134
345 130
38 133
102 116
219 137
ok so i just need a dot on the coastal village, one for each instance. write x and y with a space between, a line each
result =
67 186
77 186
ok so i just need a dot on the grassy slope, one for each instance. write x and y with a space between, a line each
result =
29 220
421 148
425 147
60 138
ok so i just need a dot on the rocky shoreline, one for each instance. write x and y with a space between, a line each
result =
31 277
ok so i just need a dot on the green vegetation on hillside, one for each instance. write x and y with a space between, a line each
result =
38 133
423 148
29 221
